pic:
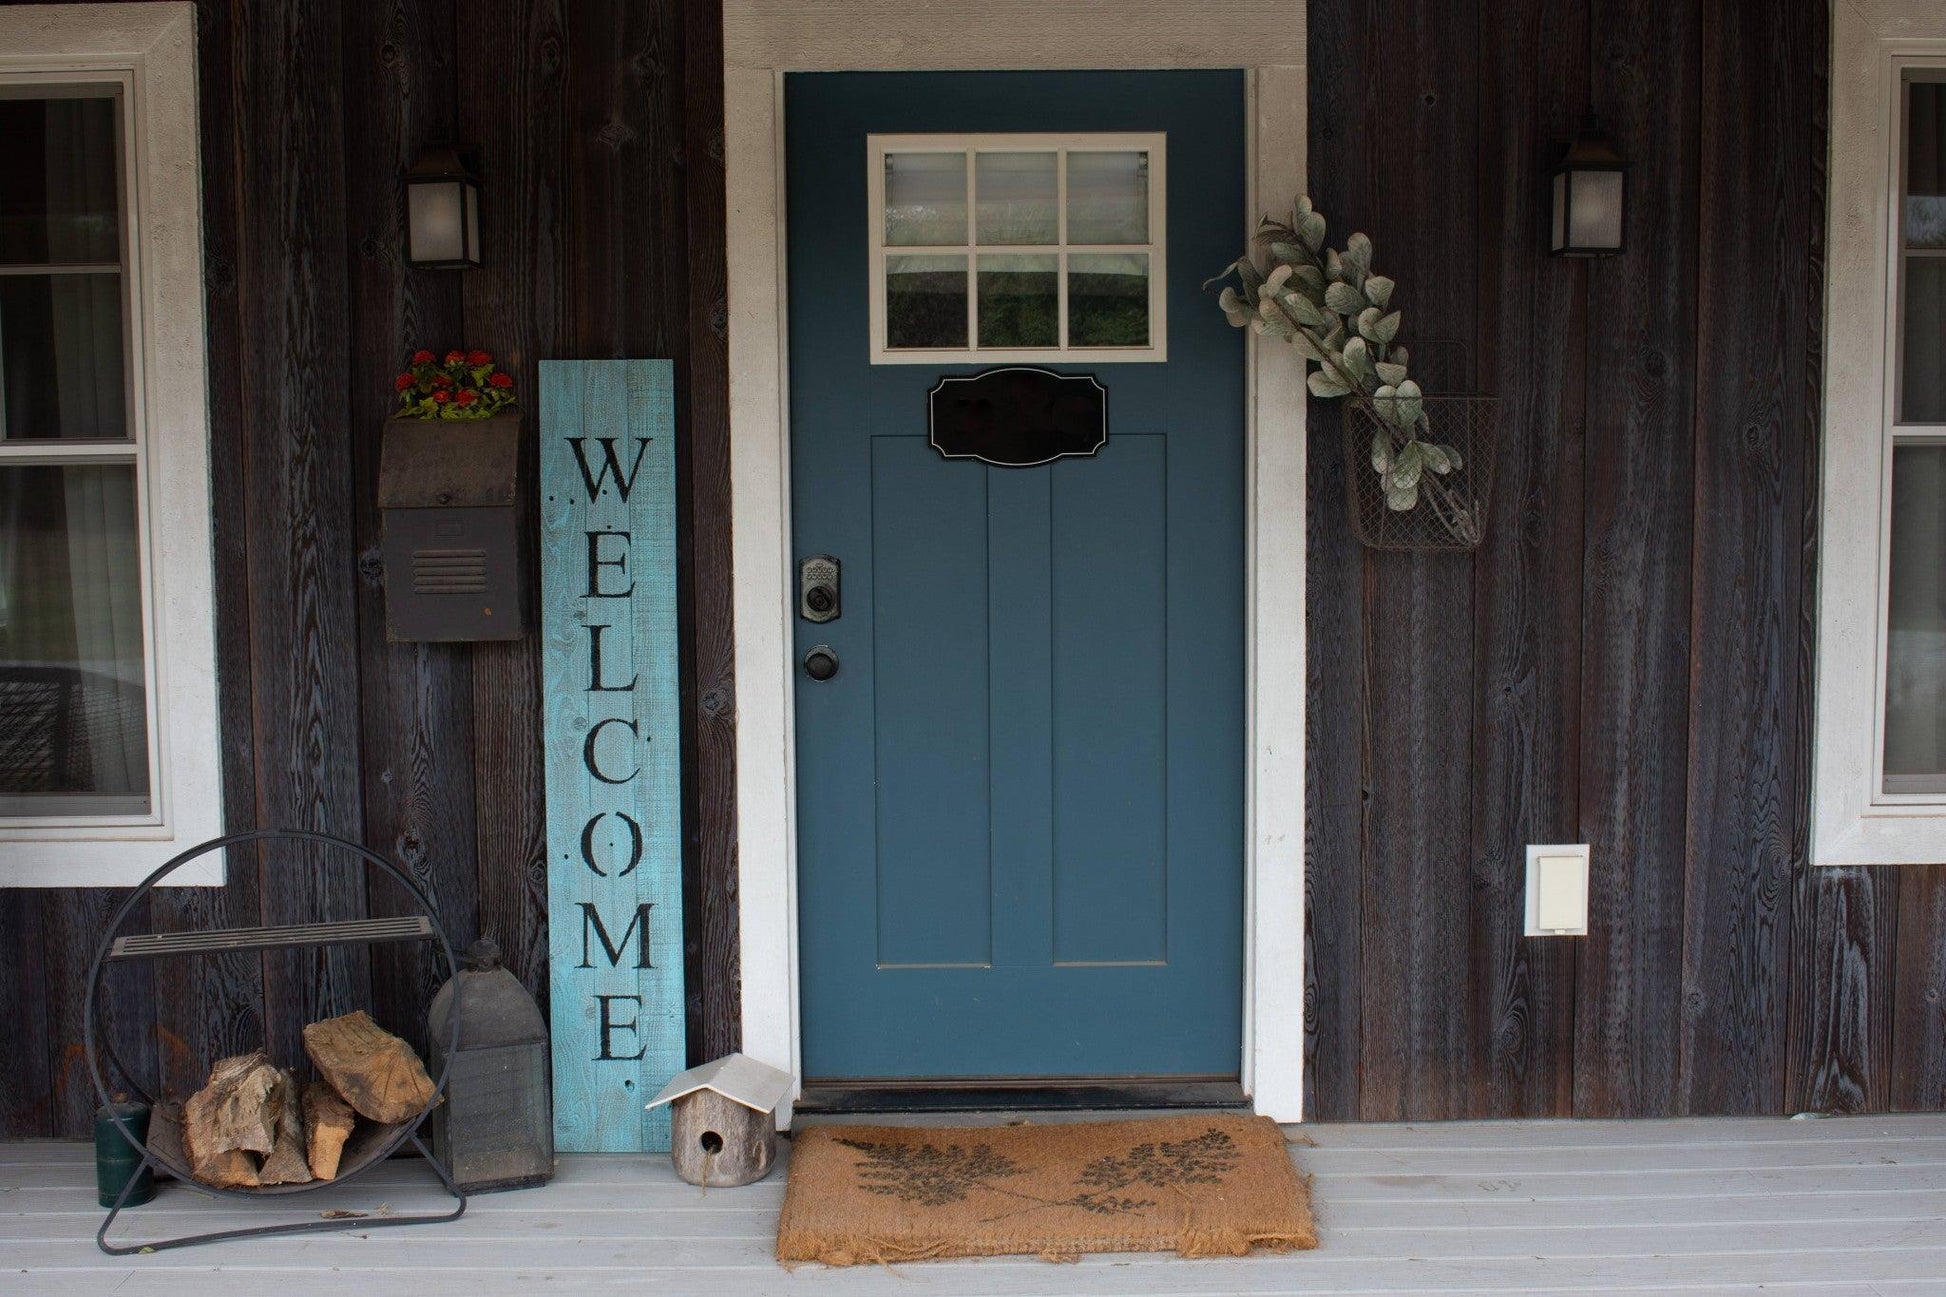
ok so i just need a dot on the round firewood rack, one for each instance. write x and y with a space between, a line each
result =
371 1145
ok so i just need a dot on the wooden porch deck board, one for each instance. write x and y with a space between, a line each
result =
1847 1206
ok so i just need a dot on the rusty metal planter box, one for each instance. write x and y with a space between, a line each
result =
457 529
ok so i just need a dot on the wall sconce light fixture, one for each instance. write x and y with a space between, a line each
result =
1589 195
442 212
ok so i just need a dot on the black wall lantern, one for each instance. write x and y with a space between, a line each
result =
442 213
1589 195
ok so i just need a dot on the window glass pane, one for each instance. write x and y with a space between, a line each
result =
61 367
1020 301
1108 197
1108 299
925 301
1922 370
1915 668
58 195
925 198
1925 165
73 729
1016 195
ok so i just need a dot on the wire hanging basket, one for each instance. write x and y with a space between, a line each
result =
1445 505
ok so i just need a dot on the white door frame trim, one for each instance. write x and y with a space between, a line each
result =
1271 1062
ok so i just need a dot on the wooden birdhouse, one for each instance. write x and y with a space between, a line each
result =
723 1120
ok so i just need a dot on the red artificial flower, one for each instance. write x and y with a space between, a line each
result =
467 397
441 380
402 382
501 380
455 357
422 357
478 358
442 397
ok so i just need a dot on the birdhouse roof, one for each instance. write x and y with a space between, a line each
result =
737 1077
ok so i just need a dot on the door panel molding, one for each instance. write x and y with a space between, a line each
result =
1273 1033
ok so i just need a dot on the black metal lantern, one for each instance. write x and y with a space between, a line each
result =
1589 193
442 212
496 1128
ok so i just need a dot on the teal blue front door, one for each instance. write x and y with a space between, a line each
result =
1020 794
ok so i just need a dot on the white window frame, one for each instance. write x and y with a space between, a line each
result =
1155 144
149 51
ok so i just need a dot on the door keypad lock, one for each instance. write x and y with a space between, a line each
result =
817 588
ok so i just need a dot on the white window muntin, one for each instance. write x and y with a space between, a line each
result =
150 54
1151 143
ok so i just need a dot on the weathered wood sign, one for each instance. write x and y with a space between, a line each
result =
608 617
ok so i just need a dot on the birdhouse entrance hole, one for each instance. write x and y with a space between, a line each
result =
711 1142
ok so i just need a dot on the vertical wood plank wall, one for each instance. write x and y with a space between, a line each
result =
597 126
1627 662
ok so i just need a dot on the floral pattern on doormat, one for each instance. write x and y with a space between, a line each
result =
1202 1184
931 1175
927 1174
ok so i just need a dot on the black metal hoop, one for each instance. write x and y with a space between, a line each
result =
408 1131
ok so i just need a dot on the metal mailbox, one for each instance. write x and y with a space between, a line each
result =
456 529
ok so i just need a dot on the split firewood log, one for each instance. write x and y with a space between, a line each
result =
230 1118
375 1071
327 1125
287 1163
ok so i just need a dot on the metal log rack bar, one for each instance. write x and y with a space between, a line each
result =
114 948
224 941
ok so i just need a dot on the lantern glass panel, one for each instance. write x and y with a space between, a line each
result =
1595 210
1560 238
436 213
472 224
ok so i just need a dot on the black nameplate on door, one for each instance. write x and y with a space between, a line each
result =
1018 417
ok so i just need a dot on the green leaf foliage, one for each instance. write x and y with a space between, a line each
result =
1344 299
1358 256
1323 383
1337 315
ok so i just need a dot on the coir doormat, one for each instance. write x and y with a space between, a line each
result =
1195 1185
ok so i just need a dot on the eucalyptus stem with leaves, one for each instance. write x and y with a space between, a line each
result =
1330 307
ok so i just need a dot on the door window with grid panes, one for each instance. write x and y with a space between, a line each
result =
1016 247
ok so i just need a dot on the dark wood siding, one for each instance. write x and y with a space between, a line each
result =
1626 662
596 126
1635 639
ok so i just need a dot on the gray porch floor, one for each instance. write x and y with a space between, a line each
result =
1841 1206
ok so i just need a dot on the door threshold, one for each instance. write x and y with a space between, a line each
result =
1106 1094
